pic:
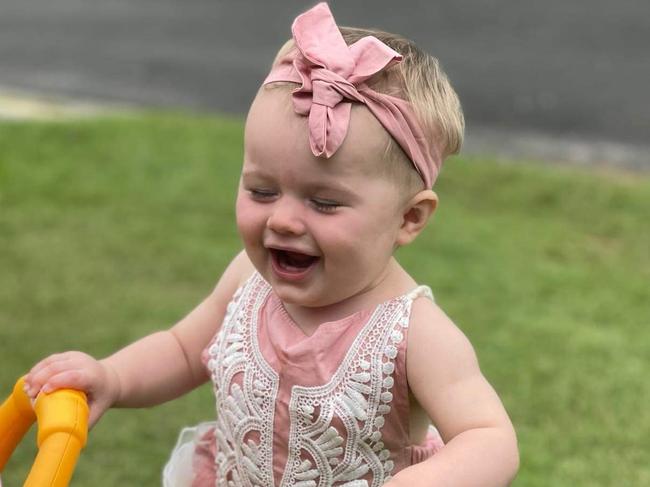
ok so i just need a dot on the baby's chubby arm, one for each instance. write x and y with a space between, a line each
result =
150 371
444 376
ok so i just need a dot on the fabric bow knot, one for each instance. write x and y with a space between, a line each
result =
332 74
328 89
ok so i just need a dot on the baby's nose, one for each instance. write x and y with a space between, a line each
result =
286 217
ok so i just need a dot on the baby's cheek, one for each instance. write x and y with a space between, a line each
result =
251 224
351 233
346 251
248 233
248 219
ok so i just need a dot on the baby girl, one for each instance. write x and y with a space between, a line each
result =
329 363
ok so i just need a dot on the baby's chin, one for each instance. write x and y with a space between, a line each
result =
307 298
311 296
321 300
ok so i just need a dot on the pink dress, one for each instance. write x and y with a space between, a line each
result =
308 411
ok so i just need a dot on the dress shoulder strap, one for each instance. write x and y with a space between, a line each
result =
420 291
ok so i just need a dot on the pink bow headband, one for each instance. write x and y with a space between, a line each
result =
332 74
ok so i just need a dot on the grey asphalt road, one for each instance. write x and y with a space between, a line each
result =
578 69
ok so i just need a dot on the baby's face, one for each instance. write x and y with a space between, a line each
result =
318 230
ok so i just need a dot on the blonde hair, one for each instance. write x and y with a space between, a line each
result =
420 80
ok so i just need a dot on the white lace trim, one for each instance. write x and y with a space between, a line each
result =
358 396
244 426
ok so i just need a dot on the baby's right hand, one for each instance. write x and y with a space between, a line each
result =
76 370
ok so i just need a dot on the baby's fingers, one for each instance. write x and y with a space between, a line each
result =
47 362
67 379
80 380
44 371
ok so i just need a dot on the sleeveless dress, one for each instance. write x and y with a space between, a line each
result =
328 409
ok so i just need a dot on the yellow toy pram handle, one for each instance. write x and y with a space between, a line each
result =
62 432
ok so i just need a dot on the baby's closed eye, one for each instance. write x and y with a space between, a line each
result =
261 194
325 205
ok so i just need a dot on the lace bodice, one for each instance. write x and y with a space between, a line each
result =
311 411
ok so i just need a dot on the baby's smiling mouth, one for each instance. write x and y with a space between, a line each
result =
292 261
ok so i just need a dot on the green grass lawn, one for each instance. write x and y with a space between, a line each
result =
110 229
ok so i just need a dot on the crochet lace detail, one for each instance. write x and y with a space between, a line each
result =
245 390
335 432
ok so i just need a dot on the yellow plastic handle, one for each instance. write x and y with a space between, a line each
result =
62 432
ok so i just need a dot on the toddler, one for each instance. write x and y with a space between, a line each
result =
328 362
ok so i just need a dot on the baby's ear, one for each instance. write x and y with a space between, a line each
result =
415 216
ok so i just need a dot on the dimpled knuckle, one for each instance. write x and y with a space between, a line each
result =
45 363
75 378
55 357
49 370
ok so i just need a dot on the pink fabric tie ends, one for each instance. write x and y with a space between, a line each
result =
332 75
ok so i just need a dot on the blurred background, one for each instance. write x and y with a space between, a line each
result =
120 149
555 79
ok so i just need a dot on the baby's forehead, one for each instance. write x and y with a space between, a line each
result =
274 129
